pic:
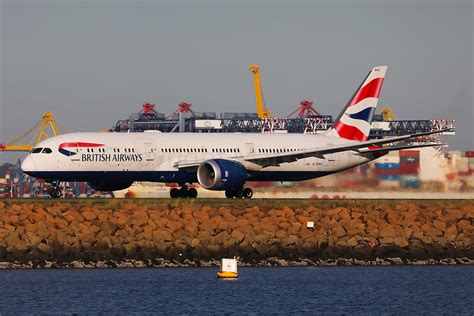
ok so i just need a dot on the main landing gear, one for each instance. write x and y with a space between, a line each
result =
245 193
54 190
184 192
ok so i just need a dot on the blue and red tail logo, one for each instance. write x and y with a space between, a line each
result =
354 122
66 152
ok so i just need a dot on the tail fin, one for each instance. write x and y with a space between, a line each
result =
354 121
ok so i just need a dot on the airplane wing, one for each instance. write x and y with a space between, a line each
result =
266 160
392 148
360 147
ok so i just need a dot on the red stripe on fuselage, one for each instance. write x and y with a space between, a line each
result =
80 144
370 90
350 132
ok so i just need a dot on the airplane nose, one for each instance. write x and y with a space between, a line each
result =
28 165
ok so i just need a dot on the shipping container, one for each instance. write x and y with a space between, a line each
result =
409 153
469 154
410 182
410 160
204 115
387 165
389 177
386 171
409 168
233 115
388 158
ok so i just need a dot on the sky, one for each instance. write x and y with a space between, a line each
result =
94 62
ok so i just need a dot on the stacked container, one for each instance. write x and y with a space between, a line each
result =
409 168
470 157
387 170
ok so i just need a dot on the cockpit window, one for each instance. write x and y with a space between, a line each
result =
47 151
36 150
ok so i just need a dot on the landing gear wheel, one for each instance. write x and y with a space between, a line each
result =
183 193
229 194
192 193
239 194
174 193
55 193
247 193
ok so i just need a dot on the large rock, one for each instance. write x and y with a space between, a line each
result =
451 233
388 231
400 242
237 235
439 225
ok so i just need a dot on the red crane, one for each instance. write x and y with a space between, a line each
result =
305 110
148 108
183 107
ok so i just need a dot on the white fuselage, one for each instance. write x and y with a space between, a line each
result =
155 156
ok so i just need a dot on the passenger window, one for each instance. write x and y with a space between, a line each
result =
36 150
47 151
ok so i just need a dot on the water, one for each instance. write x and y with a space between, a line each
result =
350 290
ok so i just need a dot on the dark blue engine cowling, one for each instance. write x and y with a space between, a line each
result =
221 174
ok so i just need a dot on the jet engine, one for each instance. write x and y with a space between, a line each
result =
221 174
109 185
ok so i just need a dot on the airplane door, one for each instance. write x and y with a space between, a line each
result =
250 148
149 154
75 157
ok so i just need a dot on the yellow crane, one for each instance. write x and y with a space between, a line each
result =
38 133
262 112
387 114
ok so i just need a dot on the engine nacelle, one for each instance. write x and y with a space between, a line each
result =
109 185
221 174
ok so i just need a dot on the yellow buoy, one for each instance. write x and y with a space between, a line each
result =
228 269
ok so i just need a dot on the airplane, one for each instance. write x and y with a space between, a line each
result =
217 161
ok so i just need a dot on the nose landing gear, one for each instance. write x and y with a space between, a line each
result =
184 192
245 193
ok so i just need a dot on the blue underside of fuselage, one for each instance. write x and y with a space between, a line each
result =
168 176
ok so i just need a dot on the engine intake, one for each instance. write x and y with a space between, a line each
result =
221 174
109 185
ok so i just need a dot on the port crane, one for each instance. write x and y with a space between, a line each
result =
387 114
306 109
38 132
262 112
183 107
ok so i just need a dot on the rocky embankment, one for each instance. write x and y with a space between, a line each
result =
111 233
